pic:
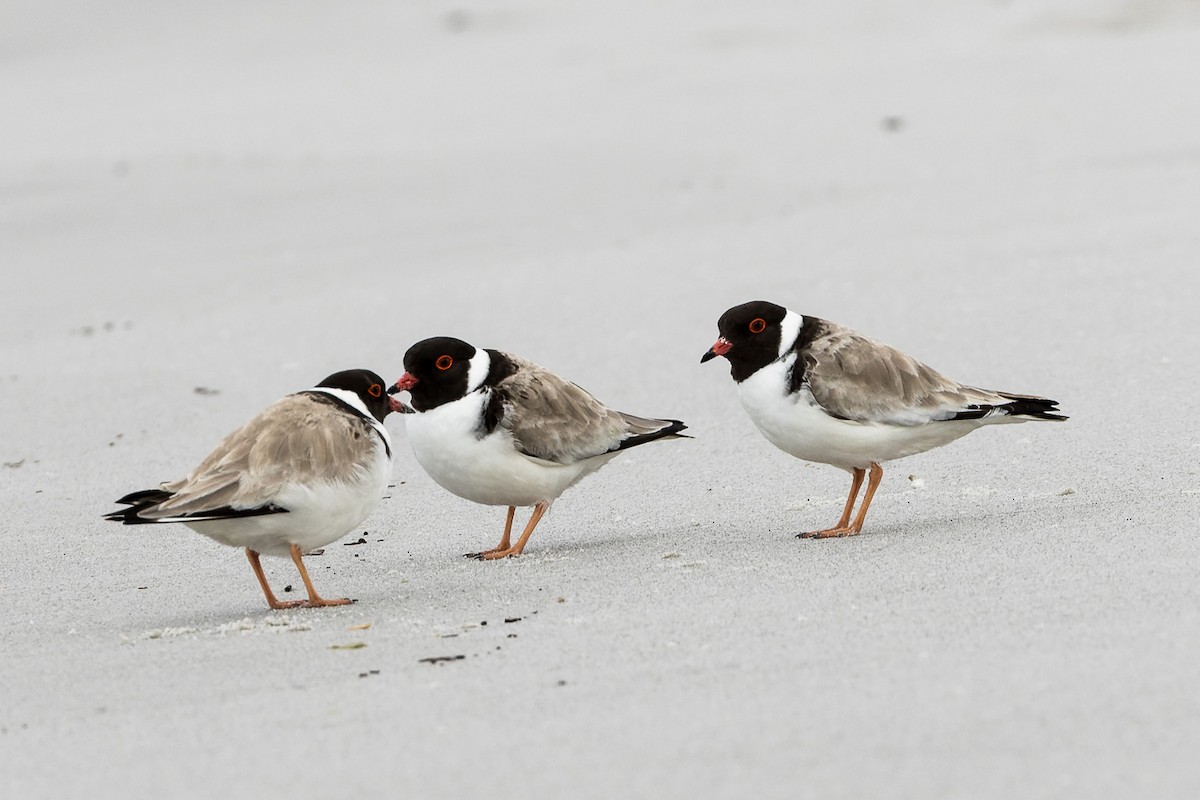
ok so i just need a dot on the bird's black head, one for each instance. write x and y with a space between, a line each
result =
369 387
439 370
750 337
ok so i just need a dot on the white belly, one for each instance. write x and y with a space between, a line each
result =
317 515
797 425
486 470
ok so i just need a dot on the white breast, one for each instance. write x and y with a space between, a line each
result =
489 469
797 425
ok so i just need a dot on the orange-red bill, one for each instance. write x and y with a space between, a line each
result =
722 347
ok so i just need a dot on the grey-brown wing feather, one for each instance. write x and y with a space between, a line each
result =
294 440
556 420
856 378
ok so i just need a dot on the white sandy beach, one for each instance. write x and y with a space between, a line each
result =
205 207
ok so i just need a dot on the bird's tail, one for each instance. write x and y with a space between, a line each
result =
138 502
1024 405
642 430
1019 408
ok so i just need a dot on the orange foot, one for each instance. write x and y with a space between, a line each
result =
829 533
319 602
494 553
278 604
844 526
503 550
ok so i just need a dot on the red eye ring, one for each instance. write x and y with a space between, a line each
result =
376 390
444 362
758 325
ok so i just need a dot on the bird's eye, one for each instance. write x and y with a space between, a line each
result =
444 362
758 325
376 390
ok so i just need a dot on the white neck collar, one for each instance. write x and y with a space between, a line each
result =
789 332
354 401
481 365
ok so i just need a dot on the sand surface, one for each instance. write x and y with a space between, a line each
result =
204 208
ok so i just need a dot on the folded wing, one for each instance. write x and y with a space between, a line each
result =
293 441
556 420
861 380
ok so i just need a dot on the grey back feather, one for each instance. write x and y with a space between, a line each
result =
556 420
862 380
294 440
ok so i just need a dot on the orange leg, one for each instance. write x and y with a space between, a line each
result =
842 523
266 587
872 484
314 600
538 511
503 539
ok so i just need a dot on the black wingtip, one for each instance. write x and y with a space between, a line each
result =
1032 407
146 497
674 429
149 498
1020 406
137 502
670 431
129 516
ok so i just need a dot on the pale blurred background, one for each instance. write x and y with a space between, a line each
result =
242 197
